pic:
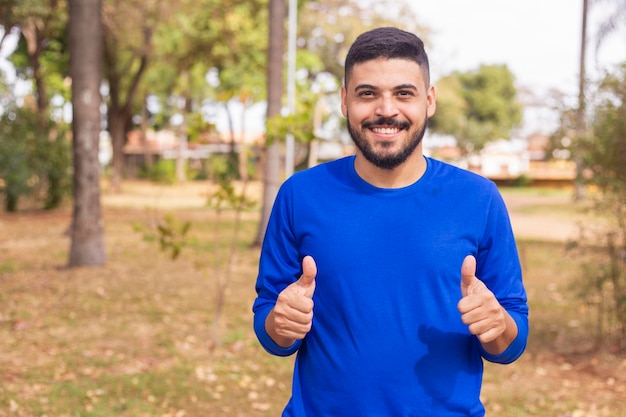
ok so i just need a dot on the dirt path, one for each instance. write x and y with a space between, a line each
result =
549 223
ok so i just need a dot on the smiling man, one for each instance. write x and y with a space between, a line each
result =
391 275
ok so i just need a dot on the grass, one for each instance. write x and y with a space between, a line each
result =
133 338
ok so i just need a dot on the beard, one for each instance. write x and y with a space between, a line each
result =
386 160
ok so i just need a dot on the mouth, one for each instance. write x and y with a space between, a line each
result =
386 127
386 130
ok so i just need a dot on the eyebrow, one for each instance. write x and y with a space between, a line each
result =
372 87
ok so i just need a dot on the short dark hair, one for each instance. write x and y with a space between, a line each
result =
387 42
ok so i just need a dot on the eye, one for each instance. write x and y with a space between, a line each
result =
366 93
405 93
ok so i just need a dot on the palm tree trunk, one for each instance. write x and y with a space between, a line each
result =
271 174
86 37
579 188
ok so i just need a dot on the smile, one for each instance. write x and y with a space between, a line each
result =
386 130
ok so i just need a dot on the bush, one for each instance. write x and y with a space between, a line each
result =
603 281
163 171
33 158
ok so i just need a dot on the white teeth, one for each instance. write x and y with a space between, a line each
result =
386 130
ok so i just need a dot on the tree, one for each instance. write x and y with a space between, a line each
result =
41 50
276 49
581 128
217 37
41 56
600 156
242 73
606 154
34 159
327 28
602 244
86 52
478 106
613 22
190 35
127 49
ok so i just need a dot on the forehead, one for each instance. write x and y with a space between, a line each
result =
386 73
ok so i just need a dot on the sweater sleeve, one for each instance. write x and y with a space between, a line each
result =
279 266
499 268
516 348
266 341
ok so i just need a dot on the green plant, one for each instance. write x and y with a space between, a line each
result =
171 234
172 237
163 171
35 155
603 250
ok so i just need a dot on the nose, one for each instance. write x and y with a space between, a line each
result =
386 107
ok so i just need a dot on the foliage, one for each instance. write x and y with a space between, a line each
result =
197 128
226 197
300 125
54 61
41 55
611 23
33 158
169 55
15 169
606 153
171 234
220 168
604 278
562 142
601 285
477 106
327 28
163 171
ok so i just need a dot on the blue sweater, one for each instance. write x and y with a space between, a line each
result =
387 338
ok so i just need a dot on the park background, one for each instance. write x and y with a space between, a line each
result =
129 247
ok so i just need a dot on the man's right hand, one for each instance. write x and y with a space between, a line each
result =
292 316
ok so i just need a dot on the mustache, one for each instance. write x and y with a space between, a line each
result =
385 121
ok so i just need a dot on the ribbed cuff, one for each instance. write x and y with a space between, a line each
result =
516 348
266 341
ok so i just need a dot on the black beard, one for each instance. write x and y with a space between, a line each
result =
390 161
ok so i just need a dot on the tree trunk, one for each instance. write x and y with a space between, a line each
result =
120 110
85 35
241 157
183 143
271 174
147 152
581 129
34 47
117 130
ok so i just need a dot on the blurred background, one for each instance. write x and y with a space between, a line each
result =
142 143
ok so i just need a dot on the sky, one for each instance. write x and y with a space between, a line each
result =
539 40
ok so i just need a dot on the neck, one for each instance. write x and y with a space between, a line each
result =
405 174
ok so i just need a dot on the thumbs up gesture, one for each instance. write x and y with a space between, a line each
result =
479 308
292 315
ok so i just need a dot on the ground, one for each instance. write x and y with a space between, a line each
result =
89 338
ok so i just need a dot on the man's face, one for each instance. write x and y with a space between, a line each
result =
387 104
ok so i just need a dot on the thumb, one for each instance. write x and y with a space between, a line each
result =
307 279
468 274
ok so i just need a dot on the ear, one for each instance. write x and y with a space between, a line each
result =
344 107
431 100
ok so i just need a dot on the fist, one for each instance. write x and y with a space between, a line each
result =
292 316
479 308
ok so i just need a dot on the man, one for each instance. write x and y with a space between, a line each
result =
392 275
